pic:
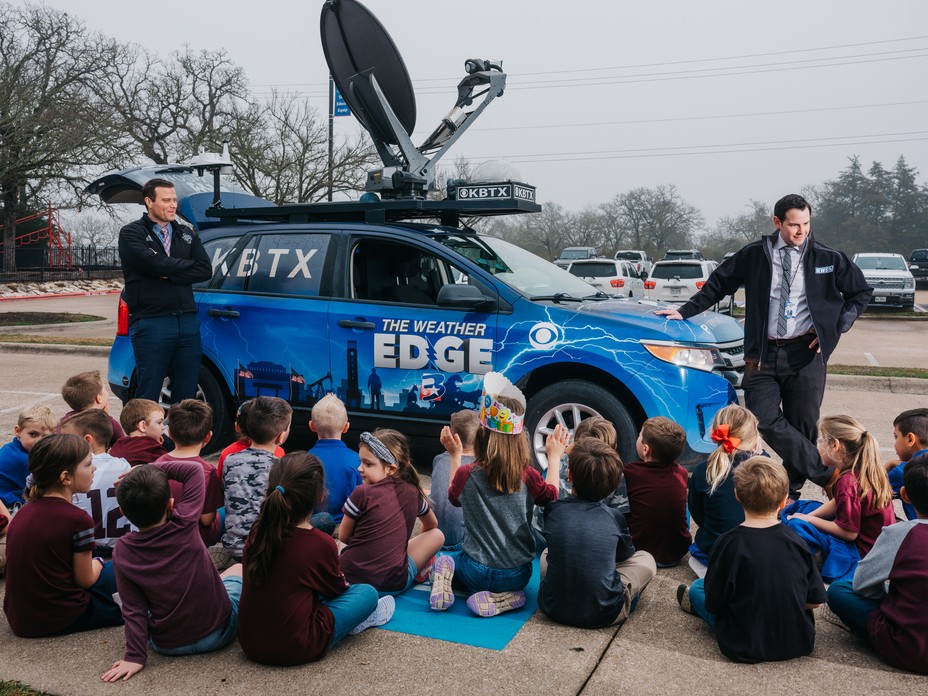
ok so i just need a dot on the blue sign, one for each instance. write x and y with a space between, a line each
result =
341 106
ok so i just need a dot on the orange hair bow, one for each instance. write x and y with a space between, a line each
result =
728 442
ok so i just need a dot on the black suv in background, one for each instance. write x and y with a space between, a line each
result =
918 264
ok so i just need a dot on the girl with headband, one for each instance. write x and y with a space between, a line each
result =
712 503
380 515
296 603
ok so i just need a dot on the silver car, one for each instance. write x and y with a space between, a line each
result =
889 275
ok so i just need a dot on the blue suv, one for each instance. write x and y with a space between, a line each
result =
402 319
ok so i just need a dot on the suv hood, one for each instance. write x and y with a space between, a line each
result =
708 327
194 192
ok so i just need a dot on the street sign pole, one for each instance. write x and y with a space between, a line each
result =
331 132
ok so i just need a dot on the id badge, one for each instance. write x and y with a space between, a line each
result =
789 310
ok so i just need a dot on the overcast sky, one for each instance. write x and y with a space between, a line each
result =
727 100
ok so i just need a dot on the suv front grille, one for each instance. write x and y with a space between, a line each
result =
886 283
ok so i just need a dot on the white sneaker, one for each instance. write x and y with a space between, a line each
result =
383 613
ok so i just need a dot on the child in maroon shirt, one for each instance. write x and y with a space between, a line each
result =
657 488
296 603
53 585
143 420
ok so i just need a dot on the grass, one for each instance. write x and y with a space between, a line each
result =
8 688
55 340
34 318
870 371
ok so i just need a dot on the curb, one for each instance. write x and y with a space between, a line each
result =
55 349
894 385
63 294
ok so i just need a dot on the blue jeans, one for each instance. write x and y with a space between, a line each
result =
223 635
102 610
411 570
698 602
167 346
840 557
853 609
350 608
476 576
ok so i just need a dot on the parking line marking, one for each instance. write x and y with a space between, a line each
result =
871 360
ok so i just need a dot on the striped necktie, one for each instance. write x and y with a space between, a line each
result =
166 239
786 280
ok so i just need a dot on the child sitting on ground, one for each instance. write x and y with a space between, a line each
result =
330 421
143 419
172 597
711 498
657 488
762 582
87 390
843 529
31 426
191 421
100 501
380 515
243 441
464 425
495 493
894 621
591 574
53 584
910 439
244 476
296 603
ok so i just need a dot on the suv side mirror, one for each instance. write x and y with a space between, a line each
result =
463 297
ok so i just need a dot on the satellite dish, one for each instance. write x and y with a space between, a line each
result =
371 76
357 46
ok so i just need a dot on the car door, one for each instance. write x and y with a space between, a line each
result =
634 285
264 317
397 356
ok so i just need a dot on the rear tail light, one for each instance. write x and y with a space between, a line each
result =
699 284
617 283
649 285
122 318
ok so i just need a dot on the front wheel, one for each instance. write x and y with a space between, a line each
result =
571 401
210 391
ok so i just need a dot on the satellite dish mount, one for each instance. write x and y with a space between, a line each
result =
373 80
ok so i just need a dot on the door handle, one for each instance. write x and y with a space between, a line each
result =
352 324
229 313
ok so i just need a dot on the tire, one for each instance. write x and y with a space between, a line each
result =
569 402
210 391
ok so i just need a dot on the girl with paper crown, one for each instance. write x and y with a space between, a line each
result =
495 493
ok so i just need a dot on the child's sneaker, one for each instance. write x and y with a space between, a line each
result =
383 613
441 596
825 612
426 571
492 603
683 598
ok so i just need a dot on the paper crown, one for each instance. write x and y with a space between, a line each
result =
493 414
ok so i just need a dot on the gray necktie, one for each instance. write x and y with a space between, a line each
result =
786 279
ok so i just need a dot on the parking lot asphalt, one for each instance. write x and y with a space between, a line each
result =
659 650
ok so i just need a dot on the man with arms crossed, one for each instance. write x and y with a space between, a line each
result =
161 259
800 296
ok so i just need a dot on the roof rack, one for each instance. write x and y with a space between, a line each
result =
466 200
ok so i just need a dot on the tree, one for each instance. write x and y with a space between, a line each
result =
732 233
280 152
657 218
52 124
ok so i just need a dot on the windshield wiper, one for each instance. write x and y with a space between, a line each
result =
556 298
599 295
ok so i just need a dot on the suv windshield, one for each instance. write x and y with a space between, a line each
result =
599 269
881 263
518 268
684 271
575 254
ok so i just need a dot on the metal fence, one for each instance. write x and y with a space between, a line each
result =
40 263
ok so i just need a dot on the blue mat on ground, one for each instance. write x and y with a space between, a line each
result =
458 624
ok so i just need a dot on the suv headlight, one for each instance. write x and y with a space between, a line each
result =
705 358
909 283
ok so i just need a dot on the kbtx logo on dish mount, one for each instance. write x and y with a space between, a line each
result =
507 191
